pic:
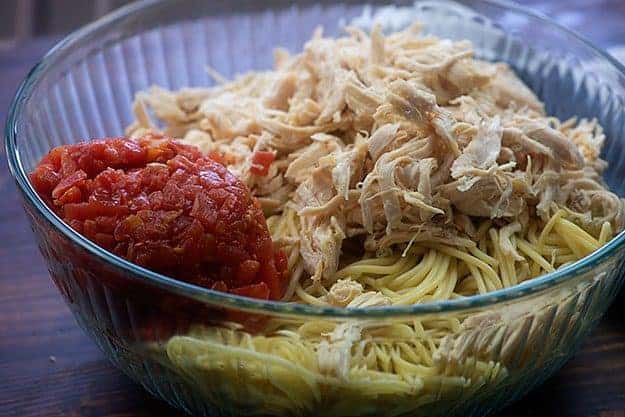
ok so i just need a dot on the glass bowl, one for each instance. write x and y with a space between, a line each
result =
169 336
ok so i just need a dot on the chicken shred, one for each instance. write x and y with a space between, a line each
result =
391 139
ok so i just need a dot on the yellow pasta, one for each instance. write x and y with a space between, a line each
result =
296 366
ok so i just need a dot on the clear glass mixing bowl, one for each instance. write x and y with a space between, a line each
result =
498 345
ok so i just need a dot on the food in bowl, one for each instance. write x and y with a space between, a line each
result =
392 170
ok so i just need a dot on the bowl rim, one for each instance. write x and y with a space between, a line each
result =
221 299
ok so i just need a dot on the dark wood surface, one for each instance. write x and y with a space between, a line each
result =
49 368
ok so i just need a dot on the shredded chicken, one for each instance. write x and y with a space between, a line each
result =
351 294
334 353
343 292
391 139
370 299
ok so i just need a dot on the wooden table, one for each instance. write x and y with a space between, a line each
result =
49 368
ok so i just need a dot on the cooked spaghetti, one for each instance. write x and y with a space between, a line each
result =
393 170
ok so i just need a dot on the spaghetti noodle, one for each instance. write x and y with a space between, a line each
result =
293 367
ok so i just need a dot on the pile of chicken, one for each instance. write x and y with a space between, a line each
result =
386 140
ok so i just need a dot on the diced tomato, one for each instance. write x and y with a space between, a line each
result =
260 290
73 179
261 160
281 260
217 157
44 178
247 271
72 195
219 286
160 204
92 209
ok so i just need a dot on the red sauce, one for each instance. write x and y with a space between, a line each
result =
161 205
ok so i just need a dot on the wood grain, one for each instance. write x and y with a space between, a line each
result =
49 368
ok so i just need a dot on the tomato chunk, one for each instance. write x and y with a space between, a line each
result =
255 291
261 161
